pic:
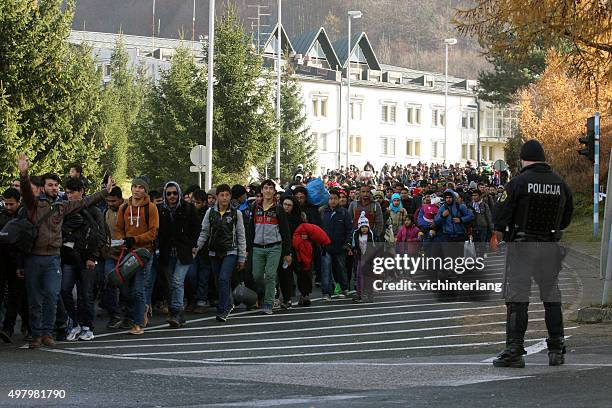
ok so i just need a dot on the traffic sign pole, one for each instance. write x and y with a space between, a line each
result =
596 179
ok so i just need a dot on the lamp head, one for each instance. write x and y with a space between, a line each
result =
355 14
450 41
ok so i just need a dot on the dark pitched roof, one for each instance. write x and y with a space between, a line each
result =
267 37
304 42
362 40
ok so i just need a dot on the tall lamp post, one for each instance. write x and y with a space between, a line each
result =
209 93
447 42
278 92
351 15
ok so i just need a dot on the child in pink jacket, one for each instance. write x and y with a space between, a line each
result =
407 237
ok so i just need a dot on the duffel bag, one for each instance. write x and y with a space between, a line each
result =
244 295
127 266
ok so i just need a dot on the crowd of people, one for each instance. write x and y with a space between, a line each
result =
268 238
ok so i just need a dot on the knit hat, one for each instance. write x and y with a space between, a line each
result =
472 185
363 220
140 181
532 151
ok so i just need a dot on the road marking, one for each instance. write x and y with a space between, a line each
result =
288 401
315 346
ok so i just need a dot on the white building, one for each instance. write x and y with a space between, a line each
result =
397 114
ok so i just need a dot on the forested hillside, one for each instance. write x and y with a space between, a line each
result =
403 32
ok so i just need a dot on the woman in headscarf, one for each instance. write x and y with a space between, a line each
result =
397 213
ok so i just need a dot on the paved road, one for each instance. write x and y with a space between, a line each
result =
405 347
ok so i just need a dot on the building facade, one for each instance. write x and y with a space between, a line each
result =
397 115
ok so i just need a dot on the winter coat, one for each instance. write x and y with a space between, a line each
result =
178 230
338 226
449 227
303 247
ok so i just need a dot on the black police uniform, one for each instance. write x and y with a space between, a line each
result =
537 205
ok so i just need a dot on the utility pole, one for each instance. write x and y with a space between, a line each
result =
210 93
279 59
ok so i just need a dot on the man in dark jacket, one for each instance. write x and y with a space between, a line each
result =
178 234
205 285
11 272
338 225
83 236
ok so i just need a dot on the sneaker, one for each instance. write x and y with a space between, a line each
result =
35 343
337 289
327 298
5 337
86 334
181 319
301 301
276 304
200 307
73 333
357 299
344 294
286 305
317 284
136 330
267 309
307 301
114 322
222 317
173 320
127 324
47 341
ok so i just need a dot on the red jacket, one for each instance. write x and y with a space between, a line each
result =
303 247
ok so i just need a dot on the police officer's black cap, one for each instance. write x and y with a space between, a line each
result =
532 151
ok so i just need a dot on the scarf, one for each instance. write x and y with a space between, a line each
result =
393 208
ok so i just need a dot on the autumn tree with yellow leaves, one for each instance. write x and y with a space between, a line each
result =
554 111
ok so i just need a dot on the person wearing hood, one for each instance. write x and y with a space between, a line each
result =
453 217
137 226
397 213
178 234
365 243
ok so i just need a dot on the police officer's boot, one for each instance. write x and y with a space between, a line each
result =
516 325
556 352
553 316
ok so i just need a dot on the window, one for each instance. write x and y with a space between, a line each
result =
388 112
319 106
387 146
472 152
501 122
107 70
464 152
413 115
355 144
356 110
437 117
322 141
413 148
468 120
491 158
428 81
437 149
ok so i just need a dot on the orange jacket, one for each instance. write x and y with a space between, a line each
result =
133 223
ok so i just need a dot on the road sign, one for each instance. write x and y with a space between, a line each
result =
500 165
197 169
198 156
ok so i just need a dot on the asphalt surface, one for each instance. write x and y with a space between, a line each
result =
406 349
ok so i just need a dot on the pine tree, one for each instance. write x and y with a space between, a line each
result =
244 124
50 86
172 122
122 98
297 144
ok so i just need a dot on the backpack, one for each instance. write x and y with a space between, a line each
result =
93 237
21 233
215 241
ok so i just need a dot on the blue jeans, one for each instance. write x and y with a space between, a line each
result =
136 293
333 265
83 313
150 276
176 277
223 268
43 276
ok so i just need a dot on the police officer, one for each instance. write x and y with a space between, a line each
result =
535 207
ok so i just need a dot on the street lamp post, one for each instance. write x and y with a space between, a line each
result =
351 15
447 42
209 94
278 92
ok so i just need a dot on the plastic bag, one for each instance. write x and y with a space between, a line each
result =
469 249
317 193
494 244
